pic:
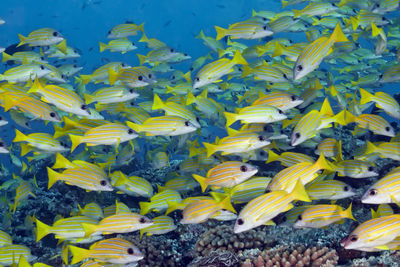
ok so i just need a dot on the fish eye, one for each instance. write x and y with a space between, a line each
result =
75 51
123 65
103 182
173 77
373 192
261 138
130 251
26 124
187 123
353 238
284 76
265 28
172 50
191 69
387 128
178 168
1 118
142 220
299 218
52 114
333 4
378 5
240 222
299 68
262 153
185 54
197 119
41 67
197 79
243 168
297 135
354 11
75 66
130 131
280 111
41 58
132 103
267 191
1 144
293 98
383 18
55 34
140 78
109 32
84 107
131 91
150 76
370 168
346 188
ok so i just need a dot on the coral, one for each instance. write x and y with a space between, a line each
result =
293 256
158 251
216 259
223 238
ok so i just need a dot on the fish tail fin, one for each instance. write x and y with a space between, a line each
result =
88 98
78 254
202 181
142 58
315 21
326 108
200 35
190 98
221 32
141 28
211 148
42 230
348 214
62 162
86 78
343 3
322 163
136 127
89 228
226 204
102 46
297 13
230 118
238 58
246 71
6 57
365 96
53 177
371 148
284 3
19 137
144 207
141 231
157 103
22 40
113 75
172 206
354 22
143 39
374 214
272 156
62 46
76 140
279 50
299 192
169 89
338 35
36 86
187 76
375 30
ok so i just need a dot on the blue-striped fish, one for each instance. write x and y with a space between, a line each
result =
11 254
113 250
124 30
249 29
226 174
161 225
122 45
114 94
329 189
385 190
164 125
41 37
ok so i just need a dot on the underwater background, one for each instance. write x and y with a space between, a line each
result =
273 141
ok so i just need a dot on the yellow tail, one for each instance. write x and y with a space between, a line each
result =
6 57
78 254
221 32
230 118
76 140
62 46
338 35
299 192
112 76
103 46
53 177
348 214
22 40
144 207
19 137
142 58
157 103
42 230
272 156
365 97
238 59
211 149
202 181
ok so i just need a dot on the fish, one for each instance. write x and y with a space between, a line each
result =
226 174
255 114
319 216
161 225
385 190
112 250
41 37
330 189
11 254
267 206
124 30
5 239
249 29
122 45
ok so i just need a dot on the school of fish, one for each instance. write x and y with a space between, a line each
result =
259 96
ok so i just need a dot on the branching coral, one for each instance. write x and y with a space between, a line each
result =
223 238
284 256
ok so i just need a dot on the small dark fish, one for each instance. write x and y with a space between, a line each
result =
15 48
167 23
221 6
90 49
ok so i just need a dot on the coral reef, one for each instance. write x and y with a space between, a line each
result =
216 259
223 238
296 256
